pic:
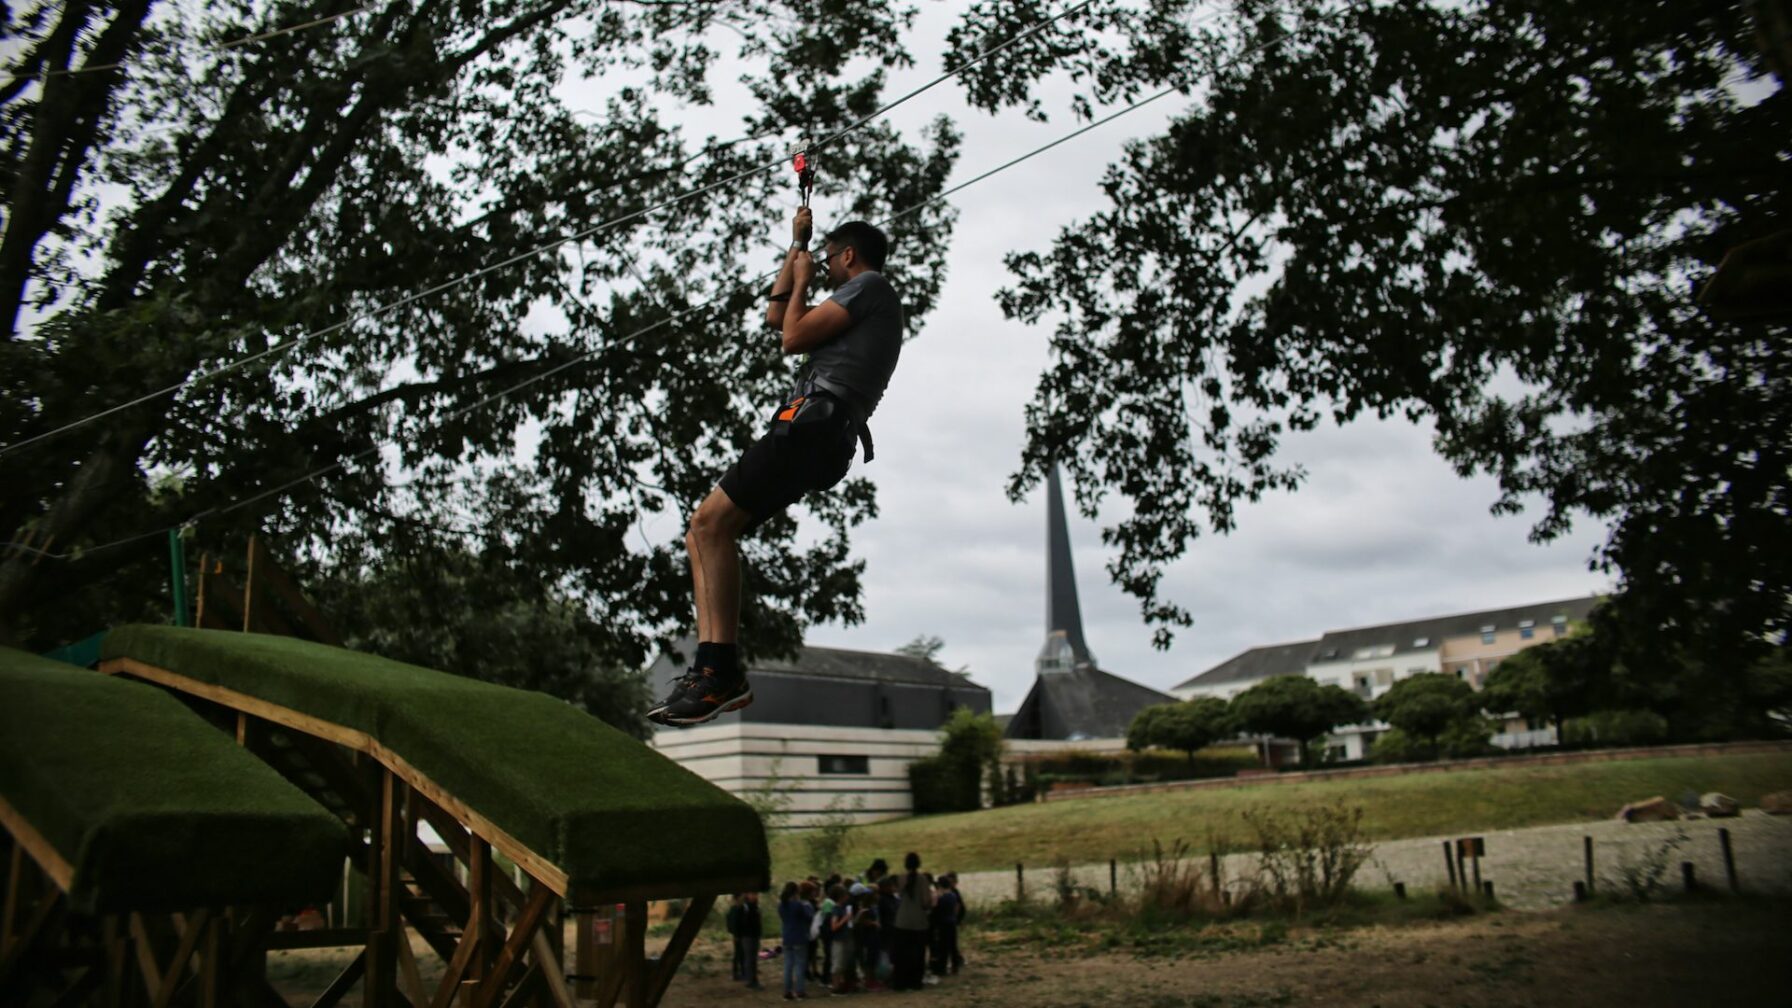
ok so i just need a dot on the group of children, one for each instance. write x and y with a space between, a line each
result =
876 932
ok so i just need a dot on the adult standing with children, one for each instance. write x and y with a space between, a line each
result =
908 954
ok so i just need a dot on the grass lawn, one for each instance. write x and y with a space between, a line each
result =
1091 830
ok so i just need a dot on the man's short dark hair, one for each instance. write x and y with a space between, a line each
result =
863 238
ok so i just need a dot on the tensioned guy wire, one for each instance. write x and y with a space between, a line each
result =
632 336
384 309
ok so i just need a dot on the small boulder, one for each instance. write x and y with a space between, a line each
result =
1718 805
1778 803
1656 809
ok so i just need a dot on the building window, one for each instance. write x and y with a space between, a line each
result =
843 764
1421 642
1487 634
1384 677
1361 685
1527 629
1559 624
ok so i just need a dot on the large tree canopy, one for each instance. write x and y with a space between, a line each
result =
197 203
1488 217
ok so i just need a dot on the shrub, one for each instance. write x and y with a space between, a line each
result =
1615 728
941 785
1174 888
1309 857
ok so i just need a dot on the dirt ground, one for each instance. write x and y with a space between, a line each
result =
1709 954
1671 956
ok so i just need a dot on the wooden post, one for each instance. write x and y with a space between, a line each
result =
15 902
479 892
1113 877
1686 877
1476 858
1399 890
584 964
1020 883
1723 838
1587 846
1487 889
632 954
1213 869
1450 865
384 930
249 586
211 975
1580 891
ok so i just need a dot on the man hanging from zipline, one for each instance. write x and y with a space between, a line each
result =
853 339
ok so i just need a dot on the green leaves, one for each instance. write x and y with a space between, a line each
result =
1487 217
549 422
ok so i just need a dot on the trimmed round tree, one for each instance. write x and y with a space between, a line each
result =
1428 705
1296 707
1190 726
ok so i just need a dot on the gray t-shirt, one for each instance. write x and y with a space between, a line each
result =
856 365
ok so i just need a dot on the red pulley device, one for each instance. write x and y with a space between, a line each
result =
805 173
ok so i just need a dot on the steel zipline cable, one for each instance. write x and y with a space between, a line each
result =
512 260
630 337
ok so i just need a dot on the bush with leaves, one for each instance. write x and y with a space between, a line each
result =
1309 857
1296 707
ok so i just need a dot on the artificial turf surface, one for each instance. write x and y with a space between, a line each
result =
609 811
153 808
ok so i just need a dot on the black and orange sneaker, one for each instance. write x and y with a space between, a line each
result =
701 695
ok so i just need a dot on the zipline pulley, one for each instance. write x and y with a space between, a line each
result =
804 166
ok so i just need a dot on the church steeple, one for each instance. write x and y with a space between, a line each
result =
1064 648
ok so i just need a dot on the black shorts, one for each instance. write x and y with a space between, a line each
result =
779 468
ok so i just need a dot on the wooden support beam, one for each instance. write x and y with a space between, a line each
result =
480 909
527 923
273 577
407 970
211 971
46 919
383 930
526 988
190 932
344 982
222 597
553 972
680 943
115 954
457 966
16 875
146 954
79 992
634 954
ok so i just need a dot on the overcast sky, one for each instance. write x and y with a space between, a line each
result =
1381 531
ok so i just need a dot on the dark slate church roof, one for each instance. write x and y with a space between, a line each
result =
1082 703
1257 663
1071 698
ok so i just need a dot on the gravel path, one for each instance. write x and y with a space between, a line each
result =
1531 869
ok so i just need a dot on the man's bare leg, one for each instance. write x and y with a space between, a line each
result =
715 684
713 545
